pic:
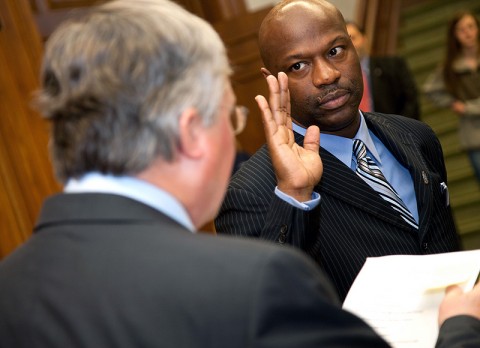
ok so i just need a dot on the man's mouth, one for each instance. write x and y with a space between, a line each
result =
334 99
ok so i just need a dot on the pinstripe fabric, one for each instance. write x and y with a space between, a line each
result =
352 222
368 170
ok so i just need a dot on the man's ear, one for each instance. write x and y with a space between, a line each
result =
265 72
191 133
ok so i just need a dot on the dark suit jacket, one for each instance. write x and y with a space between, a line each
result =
393 88
106 271
352 222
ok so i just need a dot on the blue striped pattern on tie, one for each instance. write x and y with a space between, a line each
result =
368 170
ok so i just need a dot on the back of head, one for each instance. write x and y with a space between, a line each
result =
115 82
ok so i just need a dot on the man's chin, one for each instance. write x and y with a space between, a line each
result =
341 124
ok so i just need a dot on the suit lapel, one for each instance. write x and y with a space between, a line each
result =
340 182
408 152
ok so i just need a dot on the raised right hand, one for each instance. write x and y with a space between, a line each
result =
298 169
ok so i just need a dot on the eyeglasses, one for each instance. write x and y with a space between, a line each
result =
238 118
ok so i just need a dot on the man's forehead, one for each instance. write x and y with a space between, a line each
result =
293 17
308 27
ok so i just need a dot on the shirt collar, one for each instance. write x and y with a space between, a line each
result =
133 188
341 147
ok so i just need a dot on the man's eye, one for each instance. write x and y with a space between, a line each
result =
334 51
297 66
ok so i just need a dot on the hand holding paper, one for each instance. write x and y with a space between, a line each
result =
400 295
458 302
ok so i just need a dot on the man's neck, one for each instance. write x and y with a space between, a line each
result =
347 132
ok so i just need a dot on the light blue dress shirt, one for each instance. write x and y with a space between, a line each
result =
135 189
396 174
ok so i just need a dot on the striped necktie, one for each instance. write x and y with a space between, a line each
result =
368 170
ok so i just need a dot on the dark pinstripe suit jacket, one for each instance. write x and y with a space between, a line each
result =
351 222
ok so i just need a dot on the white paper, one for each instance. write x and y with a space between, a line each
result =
399 295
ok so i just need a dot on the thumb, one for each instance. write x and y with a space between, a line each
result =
453 290
311 142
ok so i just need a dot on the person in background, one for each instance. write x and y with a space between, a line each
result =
382 187
144 117
456 82
388 84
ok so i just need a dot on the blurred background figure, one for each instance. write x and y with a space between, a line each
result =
456 82
388 83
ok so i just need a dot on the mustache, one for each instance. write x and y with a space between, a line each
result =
328 93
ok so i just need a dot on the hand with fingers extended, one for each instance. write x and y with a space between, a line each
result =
458 302
298 169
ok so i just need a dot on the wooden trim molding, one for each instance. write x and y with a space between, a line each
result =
380 19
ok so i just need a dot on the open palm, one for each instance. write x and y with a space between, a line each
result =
298 169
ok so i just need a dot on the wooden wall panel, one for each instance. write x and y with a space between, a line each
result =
240 37
26 177
215 10
49 13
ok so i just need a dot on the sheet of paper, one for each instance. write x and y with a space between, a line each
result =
399 295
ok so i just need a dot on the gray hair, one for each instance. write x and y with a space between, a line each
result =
115 82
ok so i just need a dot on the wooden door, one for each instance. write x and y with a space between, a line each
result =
240 36
25 172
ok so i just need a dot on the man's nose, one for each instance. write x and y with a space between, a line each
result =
324 73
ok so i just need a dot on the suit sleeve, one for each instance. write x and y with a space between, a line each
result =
252 209
460 331
246 214
295 306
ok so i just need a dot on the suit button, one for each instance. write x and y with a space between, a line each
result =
425 246
283 234
425 178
